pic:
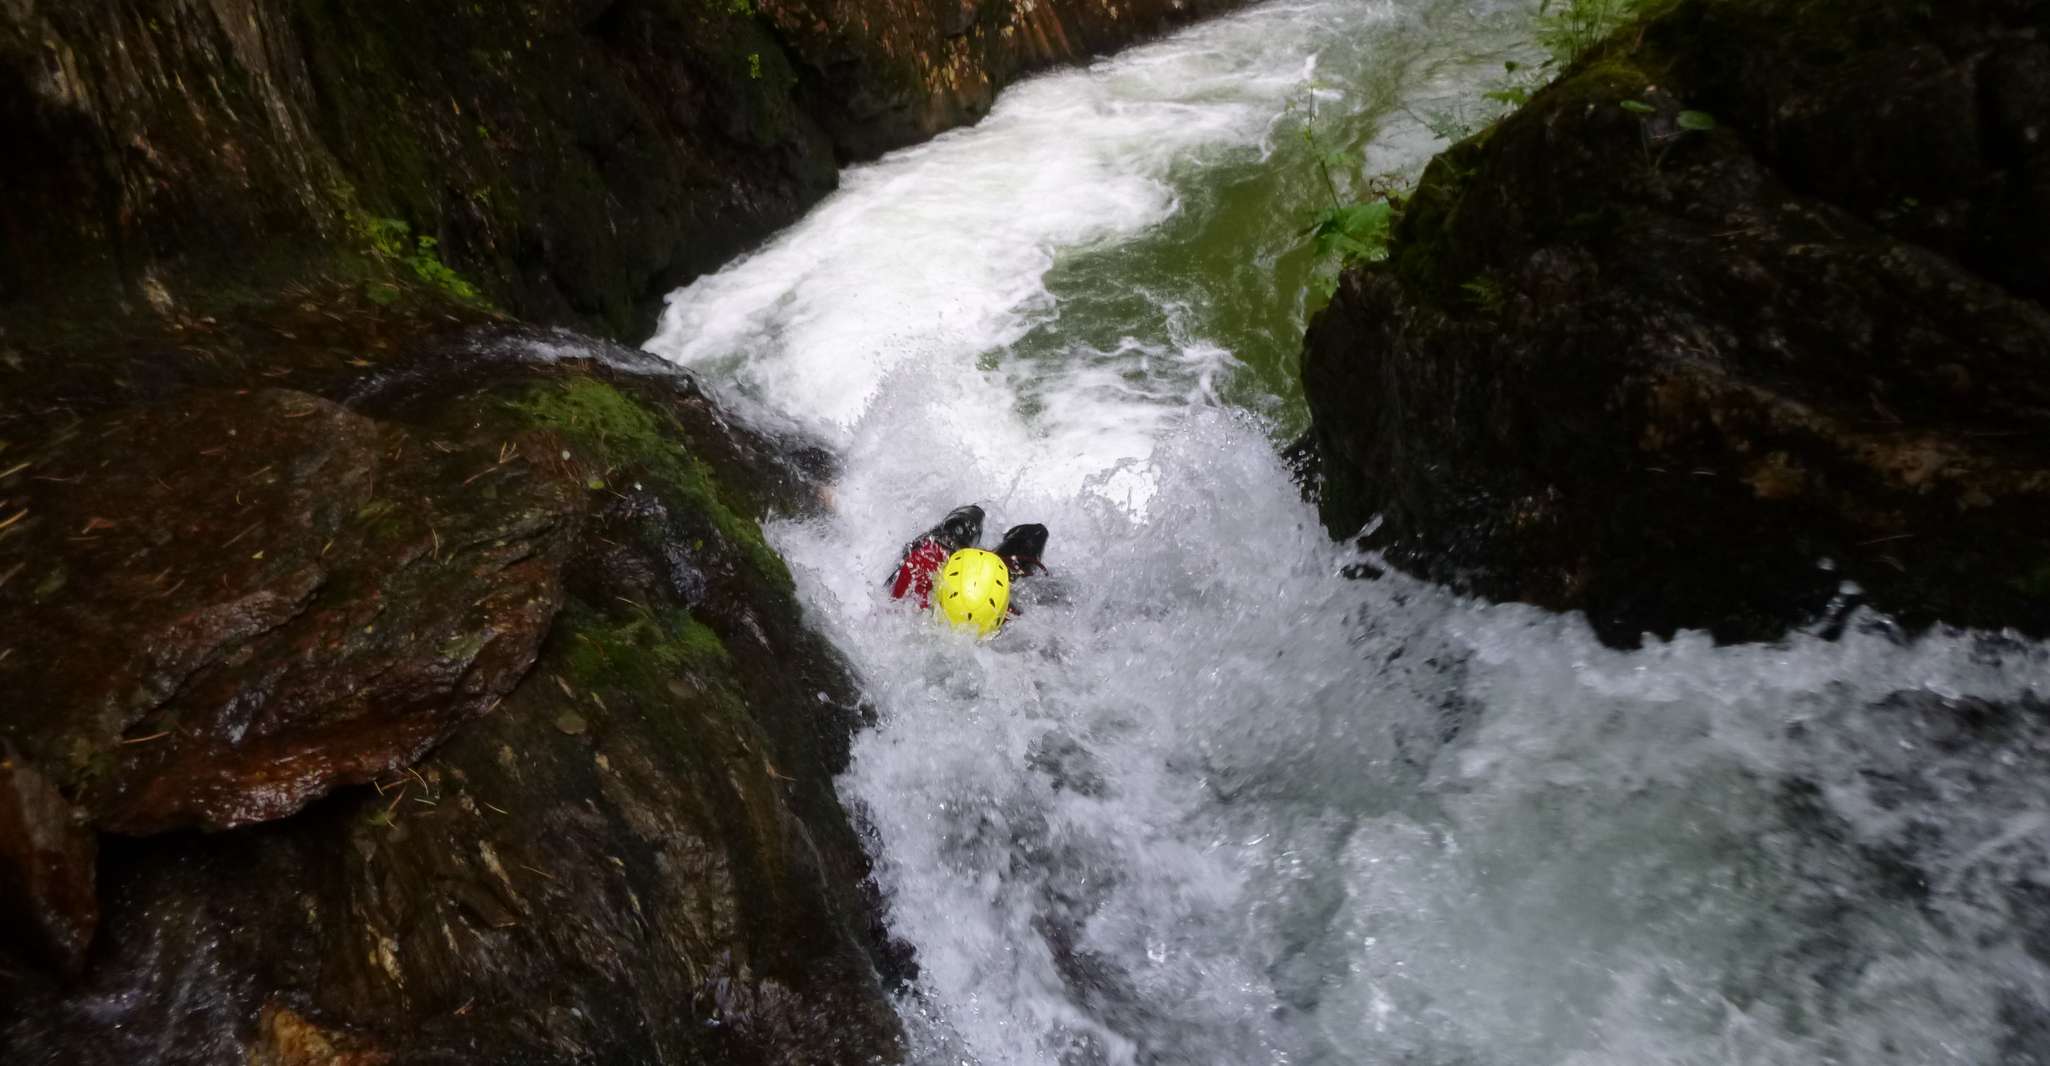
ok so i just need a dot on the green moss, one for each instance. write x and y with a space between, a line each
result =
617 432
643 649
696 642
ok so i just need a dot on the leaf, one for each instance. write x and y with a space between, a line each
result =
1514 97
1360 220
1357 231
1699 121
1637 107
1348 247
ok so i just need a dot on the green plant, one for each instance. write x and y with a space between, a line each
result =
1348 232
754 65
428 267
387 236
1684 122
1485 293
1570 29
421 255
1353 231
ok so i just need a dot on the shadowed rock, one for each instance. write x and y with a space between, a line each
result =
1700 378
46 867
569 160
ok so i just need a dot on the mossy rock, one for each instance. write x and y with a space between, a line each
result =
622 840
1720 372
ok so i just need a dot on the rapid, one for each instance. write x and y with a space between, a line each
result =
1213 802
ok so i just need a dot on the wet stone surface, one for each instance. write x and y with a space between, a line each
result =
1711 379
235 602
504 730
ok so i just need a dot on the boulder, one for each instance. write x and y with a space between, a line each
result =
533 764
1735 325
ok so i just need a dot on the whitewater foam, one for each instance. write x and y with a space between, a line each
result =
1219 804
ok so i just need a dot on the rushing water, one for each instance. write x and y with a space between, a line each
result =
1221 805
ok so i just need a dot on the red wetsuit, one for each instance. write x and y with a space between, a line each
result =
916 572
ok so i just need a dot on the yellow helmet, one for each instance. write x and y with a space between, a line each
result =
974 590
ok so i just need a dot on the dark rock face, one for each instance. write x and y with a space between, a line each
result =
572 159
515 597
46 868
1683 378
367 601
879 74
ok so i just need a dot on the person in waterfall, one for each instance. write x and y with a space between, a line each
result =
973 587
928 552
1023 550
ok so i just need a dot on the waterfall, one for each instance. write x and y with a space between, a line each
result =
1207 800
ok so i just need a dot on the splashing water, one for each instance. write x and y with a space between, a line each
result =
1214 803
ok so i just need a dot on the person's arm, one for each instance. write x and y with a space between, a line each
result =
900 582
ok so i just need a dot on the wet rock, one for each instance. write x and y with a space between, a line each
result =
1730 379
234 602
877 76
46 869
616 838
568 160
